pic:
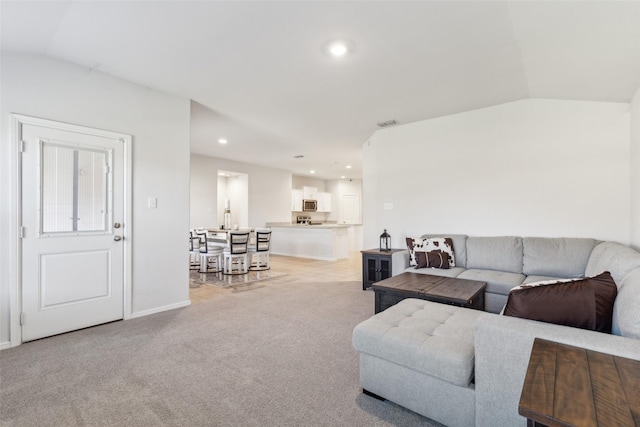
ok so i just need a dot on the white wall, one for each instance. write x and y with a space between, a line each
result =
269 191
159 123
298 181
527 168
635 170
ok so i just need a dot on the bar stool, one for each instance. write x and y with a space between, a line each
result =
194 251
260 252
237 252
209 253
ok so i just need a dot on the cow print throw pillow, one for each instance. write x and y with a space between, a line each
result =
444 244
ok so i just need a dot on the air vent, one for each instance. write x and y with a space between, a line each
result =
298 156
387 123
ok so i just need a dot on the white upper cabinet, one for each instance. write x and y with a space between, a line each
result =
296 200
324 202
310 193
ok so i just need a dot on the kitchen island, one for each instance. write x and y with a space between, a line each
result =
326 242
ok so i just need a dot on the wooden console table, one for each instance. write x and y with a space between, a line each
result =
571 386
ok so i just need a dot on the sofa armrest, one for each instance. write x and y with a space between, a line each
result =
502 349
399 262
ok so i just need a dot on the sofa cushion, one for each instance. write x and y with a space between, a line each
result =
421 244
459 246
585 303
556 257
428 337
495 253
494 303
451 272
498 282
613 257
626 315
432 259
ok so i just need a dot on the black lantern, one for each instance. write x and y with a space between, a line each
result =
385 241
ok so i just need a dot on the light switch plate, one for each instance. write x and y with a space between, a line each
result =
152 202
388 206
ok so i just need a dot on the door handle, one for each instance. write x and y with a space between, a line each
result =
117 238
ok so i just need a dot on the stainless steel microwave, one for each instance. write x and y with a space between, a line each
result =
309 205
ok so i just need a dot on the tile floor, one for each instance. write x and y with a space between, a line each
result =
290 269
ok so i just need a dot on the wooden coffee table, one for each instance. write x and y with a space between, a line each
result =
446 290
571 386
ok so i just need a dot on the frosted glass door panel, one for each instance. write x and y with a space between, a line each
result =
74 189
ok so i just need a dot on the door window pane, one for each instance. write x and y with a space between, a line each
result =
74 189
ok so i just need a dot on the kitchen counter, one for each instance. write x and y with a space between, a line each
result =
288 225
327 242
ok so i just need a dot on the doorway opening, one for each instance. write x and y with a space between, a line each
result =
233 195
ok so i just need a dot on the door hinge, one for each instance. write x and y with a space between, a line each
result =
22 316
21 231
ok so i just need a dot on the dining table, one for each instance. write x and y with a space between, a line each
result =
220 236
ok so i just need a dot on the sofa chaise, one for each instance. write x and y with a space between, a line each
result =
465 367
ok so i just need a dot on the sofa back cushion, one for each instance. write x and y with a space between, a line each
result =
618 259
459 246
502 253
556 257
626 310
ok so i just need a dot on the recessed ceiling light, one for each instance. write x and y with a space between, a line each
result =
348 166
338 49
222 141
312 171
343 177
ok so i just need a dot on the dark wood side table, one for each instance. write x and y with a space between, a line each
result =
376 265
445 290
571 386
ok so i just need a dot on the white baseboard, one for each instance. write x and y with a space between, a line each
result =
160 309
5 345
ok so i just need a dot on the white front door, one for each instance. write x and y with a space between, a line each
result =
72 263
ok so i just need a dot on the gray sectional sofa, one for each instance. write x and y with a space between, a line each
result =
465 367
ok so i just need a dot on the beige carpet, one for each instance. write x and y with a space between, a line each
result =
275 354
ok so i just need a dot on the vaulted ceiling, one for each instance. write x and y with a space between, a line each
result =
259 74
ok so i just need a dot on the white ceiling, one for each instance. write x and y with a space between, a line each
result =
259 75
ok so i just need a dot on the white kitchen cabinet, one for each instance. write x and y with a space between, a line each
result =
310 193
296 200
324 202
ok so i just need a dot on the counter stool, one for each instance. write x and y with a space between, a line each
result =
237 252
260 252
209 253
194 251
